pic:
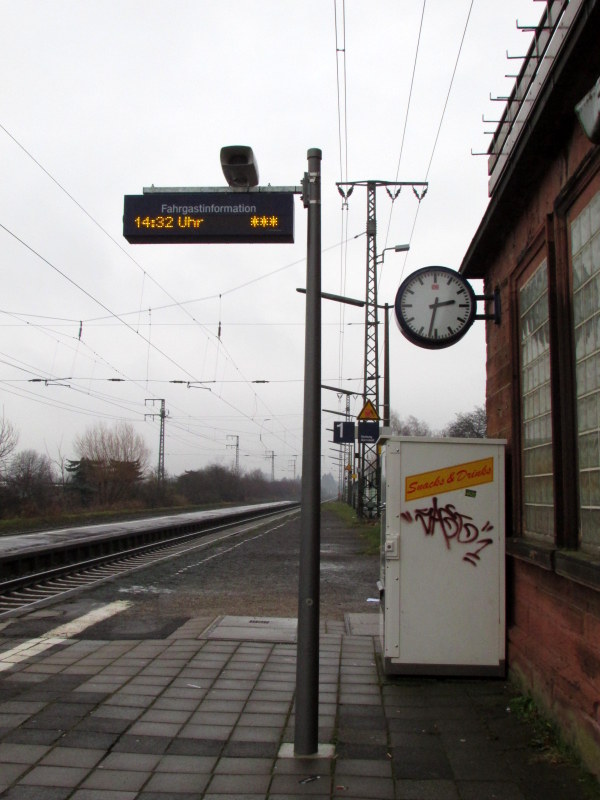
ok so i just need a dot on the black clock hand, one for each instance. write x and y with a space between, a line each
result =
439 303
434 306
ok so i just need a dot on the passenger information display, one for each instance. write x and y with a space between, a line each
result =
208 217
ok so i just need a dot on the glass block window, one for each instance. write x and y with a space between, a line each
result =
536 454
585 256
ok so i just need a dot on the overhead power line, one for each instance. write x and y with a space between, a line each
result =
406 116
442 116
412 83
92 297
342 115
127 325
342 88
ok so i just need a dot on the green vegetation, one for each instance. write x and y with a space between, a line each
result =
110 480
547 741
368 529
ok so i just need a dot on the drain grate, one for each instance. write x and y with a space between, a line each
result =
252 629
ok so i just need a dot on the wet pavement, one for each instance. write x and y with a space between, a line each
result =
208 712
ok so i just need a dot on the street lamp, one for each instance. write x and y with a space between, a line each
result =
262 425
397 248
351 301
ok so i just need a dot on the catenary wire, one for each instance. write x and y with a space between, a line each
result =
342 114
442 116
406 116
123 250
127 325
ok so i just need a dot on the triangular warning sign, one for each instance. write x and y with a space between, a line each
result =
369 412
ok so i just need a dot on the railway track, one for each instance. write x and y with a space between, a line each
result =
23 592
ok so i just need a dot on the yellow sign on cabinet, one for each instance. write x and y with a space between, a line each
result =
449 479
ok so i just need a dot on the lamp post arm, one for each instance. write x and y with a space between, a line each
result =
350 301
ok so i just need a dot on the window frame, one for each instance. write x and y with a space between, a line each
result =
568 560
569 213
563 557
530 268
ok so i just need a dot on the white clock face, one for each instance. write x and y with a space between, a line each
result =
435 307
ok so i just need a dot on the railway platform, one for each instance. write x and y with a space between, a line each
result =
208 712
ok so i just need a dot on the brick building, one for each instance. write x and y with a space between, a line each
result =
539 245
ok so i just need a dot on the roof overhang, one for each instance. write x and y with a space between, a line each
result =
574 72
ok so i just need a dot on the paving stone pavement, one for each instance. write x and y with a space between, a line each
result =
198 716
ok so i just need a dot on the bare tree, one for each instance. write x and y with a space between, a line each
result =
30 479
470 424
60 462
411 426
111 461
8 439
119 443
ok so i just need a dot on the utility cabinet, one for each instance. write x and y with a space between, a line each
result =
442 574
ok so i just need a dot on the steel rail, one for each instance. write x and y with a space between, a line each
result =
46 582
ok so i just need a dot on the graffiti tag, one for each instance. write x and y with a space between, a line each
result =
456 528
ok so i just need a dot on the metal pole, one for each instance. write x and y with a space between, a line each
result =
237 450
386 367
161 445
349 460
386 395
160 471
307 661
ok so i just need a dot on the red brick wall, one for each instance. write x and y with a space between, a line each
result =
554 651
499 377
553 622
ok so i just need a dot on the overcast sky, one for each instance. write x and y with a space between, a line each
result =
100 98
